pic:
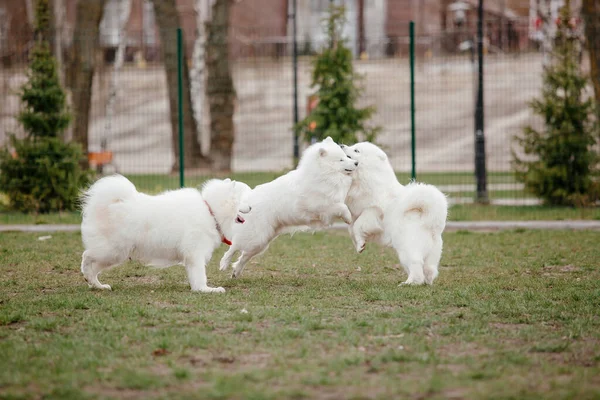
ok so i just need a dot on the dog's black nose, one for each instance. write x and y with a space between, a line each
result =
356 163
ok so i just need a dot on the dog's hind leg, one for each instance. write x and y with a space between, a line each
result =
432 261
90 269
415 274
414 267
430 272
195 267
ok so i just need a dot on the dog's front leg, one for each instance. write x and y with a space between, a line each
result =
337 210
358 239
368 224
196 272
351 233
226 259
238 266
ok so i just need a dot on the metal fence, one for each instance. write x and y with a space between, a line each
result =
140 131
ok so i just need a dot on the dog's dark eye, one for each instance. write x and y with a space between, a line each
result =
356 151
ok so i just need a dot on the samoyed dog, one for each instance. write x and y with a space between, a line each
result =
181 226
409 218
311 196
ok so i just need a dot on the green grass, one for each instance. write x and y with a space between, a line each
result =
459 212
513 315
158 183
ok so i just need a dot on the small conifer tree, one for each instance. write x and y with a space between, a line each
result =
336 113
559 161
42 173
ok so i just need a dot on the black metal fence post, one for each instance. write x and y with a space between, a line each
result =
480 171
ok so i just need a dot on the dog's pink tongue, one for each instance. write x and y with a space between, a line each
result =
240 219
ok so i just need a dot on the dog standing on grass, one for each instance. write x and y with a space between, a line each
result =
310 196
409 218
181 226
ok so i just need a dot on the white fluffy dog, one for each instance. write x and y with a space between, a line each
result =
181 226
409 218
311 195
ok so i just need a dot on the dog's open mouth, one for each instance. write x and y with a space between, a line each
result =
239 219
349 170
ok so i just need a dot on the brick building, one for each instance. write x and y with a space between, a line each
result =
262 27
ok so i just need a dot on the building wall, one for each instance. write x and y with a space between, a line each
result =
257 26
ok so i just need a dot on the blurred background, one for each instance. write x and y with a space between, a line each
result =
130 126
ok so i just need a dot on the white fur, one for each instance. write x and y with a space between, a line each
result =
174 227
311 195
409 218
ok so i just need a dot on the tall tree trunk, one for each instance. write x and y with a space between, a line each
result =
219 87
362 42
168 21
58 18
124 12
548 29
197 73
591 14
81 70
29 7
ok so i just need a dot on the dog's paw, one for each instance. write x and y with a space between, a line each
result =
101 287
347 217
360 247
211 290
411 282
236 273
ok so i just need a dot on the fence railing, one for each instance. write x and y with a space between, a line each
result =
140 139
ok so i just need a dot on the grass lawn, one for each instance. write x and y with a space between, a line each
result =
459 212
513 315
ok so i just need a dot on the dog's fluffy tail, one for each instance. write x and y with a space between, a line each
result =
106 191
428 202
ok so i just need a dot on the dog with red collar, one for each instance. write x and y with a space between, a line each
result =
180 226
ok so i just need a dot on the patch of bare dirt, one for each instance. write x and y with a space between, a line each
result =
110 392
508 326
145 279
550 270
203 358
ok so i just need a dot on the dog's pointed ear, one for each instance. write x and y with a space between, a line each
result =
383 156
328 139
322 152
227 180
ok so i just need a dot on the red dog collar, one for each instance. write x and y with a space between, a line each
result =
223 238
